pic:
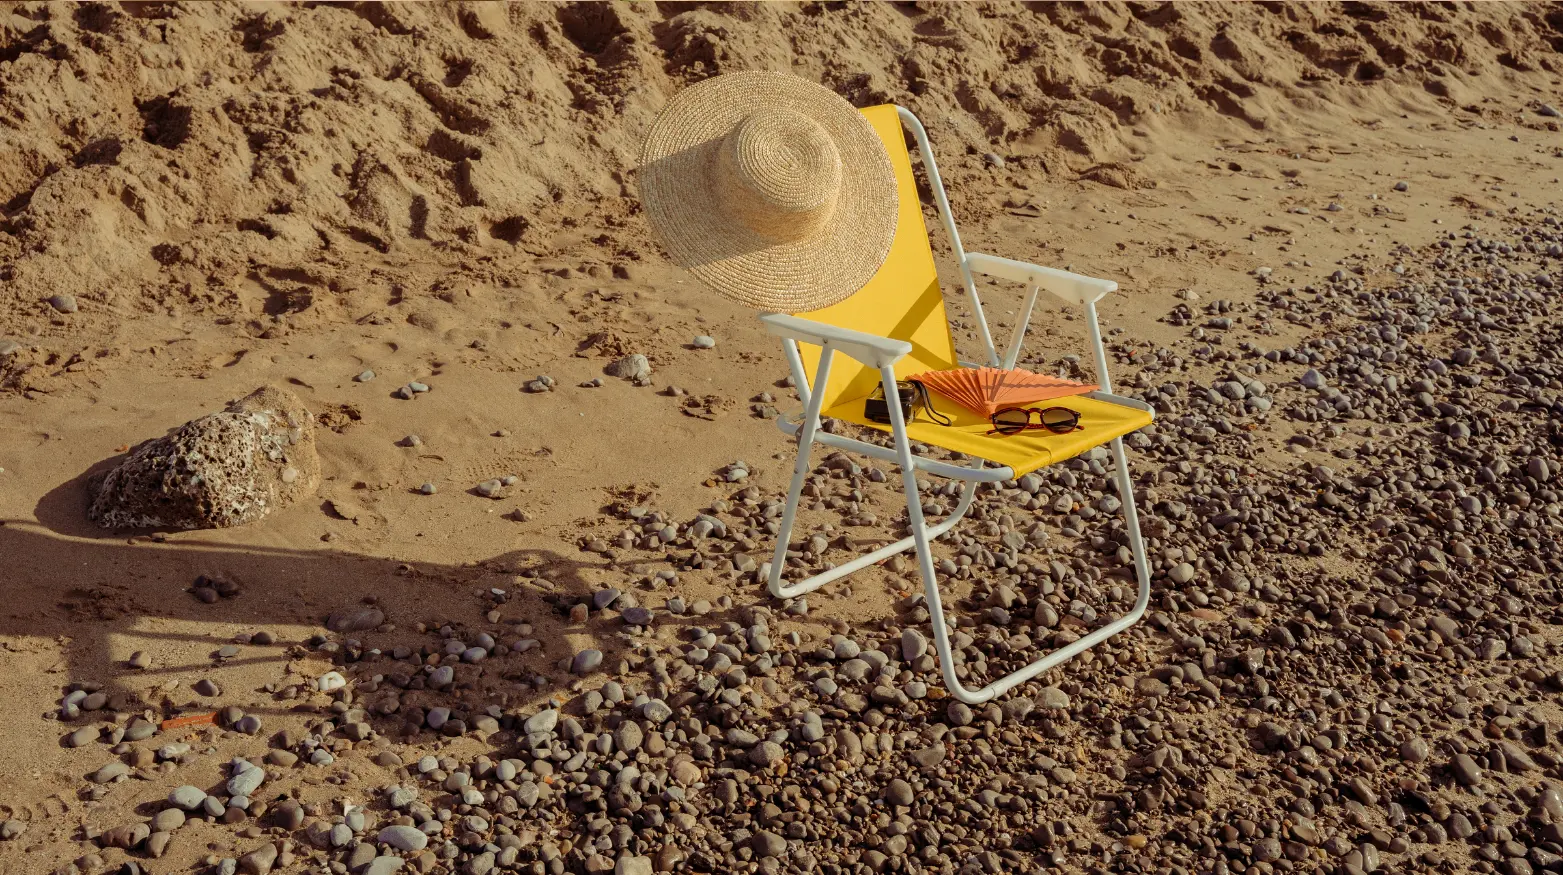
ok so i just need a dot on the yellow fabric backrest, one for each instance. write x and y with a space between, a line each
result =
902 301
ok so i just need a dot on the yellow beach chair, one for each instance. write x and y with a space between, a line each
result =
896 326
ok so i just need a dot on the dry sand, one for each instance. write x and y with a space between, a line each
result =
241 194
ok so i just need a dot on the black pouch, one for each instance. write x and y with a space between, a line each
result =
876 410
913 395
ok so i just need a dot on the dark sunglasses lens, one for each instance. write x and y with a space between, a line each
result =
1059 419
1013 418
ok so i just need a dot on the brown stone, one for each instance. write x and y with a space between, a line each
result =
224 469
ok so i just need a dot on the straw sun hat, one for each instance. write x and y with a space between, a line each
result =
771 189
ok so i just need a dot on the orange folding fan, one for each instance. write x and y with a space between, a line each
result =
989 390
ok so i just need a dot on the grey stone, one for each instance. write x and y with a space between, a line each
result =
632 865
403 838
898 792
542 721
630 367
258 861
629 736
586 662
1150 686
930 756
168 820
1517 760
357 618
656 711
383 866
766 753
768 844
1466 771
1550 800
1538 468
246 781
1053 699
1414 750
110 772
958 713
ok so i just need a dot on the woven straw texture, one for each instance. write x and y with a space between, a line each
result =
772 190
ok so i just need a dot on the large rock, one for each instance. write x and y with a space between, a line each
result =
221 470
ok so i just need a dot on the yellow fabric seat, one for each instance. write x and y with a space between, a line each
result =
903 301
1023 453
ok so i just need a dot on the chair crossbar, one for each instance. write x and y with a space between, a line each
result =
791 428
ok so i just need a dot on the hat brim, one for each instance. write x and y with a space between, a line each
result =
828 266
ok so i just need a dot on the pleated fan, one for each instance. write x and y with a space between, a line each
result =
988 390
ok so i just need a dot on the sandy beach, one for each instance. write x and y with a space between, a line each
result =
342 199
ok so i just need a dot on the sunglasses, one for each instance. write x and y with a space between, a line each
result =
1014 420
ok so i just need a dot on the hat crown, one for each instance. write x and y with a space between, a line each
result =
781 174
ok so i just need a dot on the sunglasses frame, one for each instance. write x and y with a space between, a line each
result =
1009 431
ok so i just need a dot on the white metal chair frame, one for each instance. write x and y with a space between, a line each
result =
882 353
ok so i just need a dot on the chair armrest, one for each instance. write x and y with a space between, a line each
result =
867 348
1072 288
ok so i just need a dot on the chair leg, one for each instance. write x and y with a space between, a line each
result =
810 584
800 471
1020 676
